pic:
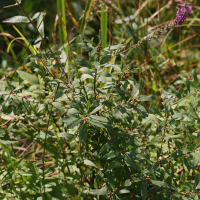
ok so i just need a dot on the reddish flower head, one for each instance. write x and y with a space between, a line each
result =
182 13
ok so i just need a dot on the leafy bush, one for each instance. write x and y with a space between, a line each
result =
92 133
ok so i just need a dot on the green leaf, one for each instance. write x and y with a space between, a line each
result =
7 141
123 56
153 117
73 111
59 95
197 142
144 190
85 70
192 84
195 159
68 136
155 111
147 98
97 109
158 183
124 191
16 19
135 89
102 191
197 181
186 165
121 92
113 165
84 38
6 117
194 74
71 75
85 46
105 59
113 47
176 137
26 76
69 189
134 165
58 106
86 76
82 63
66 44
72 120
83 132
110 155
89 163
104 149
16 4
120 197
73 104
4 92
141 85
136 70
156 139
19 19
99 118
189 123
96 123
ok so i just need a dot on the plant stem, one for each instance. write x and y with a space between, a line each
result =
104 24
118 4
83 21
62 30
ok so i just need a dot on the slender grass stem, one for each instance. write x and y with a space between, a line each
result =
83 21
104 22
62 30
11 49
119 6
45 140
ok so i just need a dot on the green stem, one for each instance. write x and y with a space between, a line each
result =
118 4
62 29
11 49
45 140
104 24
83 24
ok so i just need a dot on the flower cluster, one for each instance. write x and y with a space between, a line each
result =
182 13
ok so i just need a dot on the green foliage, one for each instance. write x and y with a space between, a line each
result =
94 132
102 140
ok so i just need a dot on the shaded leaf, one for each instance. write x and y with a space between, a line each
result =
141 87
102 191
105 59
26 76
89 163
84 38
16 4
99 118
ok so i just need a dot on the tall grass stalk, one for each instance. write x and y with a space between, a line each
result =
83 21
62 29
119 6
104 22
11 49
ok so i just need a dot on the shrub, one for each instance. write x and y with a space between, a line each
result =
92 134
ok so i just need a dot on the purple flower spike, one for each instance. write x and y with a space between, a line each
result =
182 13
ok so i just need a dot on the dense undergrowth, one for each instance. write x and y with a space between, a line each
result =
97 117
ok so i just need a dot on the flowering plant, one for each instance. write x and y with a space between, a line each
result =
182 13
93 134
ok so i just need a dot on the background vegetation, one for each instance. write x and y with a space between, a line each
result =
84 114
